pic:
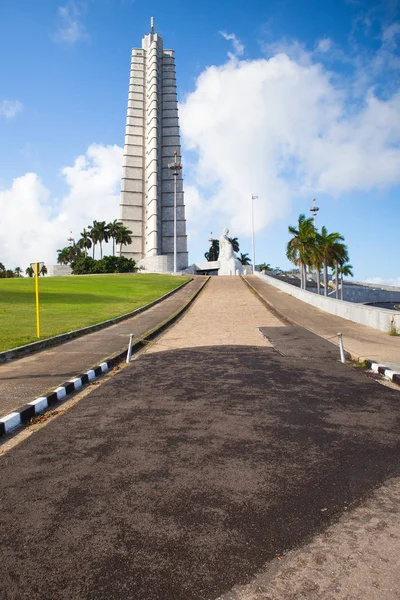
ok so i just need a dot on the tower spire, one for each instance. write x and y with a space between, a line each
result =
152 30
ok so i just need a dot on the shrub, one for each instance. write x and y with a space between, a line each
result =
109 264
84 265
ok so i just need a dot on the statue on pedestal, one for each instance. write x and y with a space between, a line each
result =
229 264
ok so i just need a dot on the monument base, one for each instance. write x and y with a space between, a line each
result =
214 268
163 263
58 270
232 266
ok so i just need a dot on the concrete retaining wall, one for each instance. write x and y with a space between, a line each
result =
58 270
378 318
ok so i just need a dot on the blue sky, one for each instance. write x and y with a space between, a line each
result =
284 99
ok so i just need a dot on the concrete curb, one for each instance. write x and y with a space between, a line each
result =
393 376
64 337
22 415
373 365
270 306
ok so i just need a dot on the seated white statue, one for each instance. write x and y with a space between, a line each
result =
228 263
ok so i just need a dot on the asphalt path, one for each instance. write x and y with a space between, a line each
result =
26 378
181 476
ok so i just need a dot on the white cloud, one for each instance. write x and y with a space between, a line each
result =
238 47
324 45
71 28
34 224
282 128
391 33
392 281
9 108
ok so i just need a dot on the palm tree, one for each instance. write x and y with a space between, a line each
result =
64 256
29 271
345 269
235 243
338 255
113 231
85 242
213 253
299 248
244 259
316 262
68 254
18 271
326 241
265 267
123 237
43 270
93 234
99 234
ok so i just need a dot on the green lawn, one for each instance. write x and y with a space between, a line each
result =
68 303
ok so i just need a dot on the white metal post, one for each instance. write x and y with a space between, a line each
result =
342 355
129 353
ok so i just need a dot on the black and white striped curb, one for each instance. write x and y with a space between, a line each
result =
394 376
26 412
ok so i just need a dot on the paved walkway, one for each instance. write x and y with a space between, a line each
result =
25 379
224 314
360 341
194 470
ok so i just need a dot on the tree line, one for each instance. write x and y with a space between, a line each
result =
95 235
17 272
318 251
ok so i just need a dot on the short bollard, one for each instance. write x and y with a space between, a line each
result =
342 355
129 354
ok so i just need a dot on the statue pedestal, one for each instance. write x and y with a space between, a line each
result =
232 266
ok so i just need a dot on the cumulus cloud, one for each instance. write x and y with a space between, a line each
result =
10 108
282 128
238 47
35 224
71 29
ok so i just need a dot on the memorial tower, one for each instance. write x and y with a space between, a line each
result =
152 143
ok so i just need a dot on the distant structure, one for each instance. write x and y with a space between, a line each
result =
227 263
151 139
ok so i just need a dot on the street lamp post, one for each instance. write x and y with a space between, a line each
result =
175 167
252 231
314 209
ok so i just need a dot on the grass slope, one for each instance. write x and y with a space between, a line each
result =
68 303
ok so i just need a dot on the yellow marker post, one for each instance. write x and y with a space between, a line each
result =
35 266
37 299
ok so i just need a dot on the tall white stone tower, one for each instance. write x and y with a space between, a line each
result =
151 138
